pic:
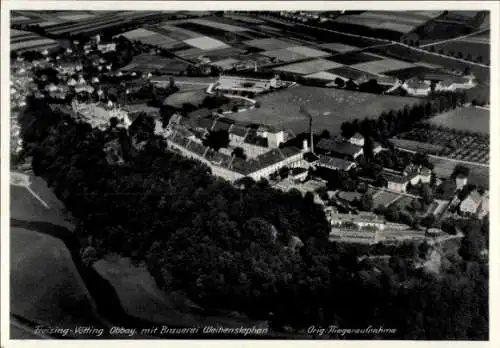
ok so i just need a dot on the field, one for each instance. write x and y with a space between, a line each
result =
449 143
24 40
468 48
347 72
45 286
25 206
478 175
195 98
339 47
353 58
268 44
469 119
329 108
139 295
308 67
384 198
407 73
205 43
151 63
411 55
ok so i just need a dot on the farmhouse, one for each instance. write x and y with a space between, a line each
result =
417 88
339 148
255 82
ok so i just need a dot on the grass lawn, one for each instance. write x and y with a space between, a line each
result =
45 286
471 47
25 206
404 202
138 293
330 107
468 118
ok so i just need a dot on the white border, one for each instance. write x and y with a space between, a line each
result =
493 6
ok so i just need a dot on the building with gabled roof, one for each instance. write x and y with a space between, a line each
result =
339 148
335 163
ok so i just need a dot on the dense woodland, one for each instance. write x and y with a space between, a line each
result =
233 248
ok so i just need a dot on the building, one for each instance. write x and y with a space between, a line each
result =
253 82
107 47
412 174
339 148
357 221
471 203
357 139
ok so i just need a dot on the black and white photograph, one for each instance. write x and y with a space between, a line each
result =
248 174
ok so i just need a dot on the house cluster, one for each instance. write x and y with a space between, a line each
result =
476 203
422 86
341 154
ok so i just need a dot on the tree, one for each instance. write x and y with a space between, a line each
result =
428 221
426 194
339 82
284 172
240 153
351 85
217 139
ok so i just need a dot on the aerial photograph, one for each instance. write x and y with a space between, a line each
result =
258 175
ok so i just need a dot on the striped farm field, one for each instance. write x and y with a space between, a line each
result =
24 40
268 44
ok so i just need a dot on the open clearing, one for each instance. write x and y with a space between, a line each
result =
268 44
468 118
381 66
330 107
45 286
339 47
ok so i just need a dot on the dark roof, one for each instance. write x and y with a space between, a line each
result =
222 124
343 148
310 157
218 158
238 130
334 163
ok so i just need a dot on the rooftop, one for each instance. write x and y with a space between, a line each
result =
335 163
336 146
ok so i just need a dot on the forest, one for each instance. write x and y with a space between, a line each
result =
230 248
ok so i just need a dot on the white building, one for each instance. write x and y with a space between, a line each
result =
357 139
256 83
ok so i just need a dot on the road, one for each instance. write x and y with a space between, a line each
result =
454 39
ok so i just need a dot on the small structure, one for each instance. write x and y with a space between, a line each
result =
357 139
417 88
335 163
